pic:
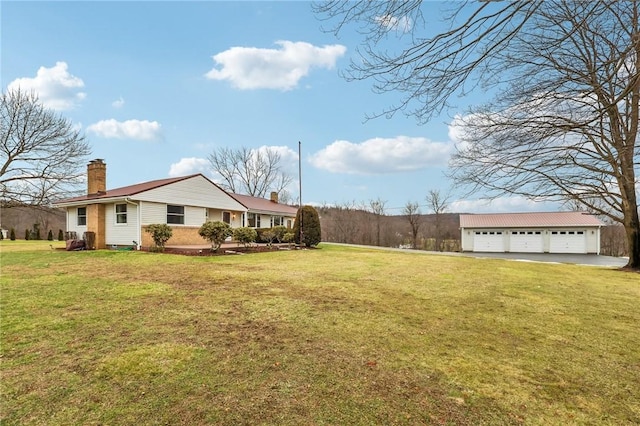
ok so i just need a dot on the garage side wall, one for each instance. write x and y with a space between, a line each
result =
514 240
593 240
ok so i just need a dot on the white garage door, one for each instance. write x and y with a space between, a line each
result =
568 242
526 242
488 241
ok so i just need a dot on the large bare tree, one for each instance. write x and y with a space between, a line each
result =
41 153
566 77
249 171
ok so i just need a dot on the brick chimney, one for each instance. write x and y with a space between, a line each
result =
274 197
96 177
97 185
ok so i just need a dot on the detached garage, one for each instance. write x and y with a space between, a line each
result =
560 232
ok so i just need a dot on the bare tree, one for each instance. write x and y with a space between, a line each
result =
564 122
250 171
438 203
41 153
414 217
377 207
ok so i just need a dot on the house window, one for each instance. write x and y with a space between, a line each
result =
226 217
175 214
277 221
121 213
82 216
254 220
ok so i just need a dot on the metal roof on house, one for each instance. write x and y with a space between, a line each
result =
128 191
263 205
528 220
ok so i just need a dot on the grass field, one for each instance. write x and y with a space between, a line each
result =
334 336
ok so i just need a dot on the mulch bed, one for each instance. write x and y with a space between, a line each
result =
224 251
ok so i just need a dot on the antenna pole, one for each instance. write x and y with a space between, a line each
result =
300 190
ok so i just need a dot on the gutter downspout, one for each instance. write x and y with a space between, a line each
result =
139 227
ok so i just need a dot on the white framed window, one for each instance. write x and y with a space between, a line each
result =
277 221
82 216
226 217
253 220
121 213
175 215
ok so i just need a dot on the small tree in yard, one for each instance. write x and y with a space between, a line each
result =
50 235
216 233
245 236
308 224
160 233
279 232
289 238
12 234
269 236
60 235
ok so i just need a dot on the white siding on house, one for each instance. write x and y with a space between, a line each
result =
215 215
194 216
121 233
72 221
153 213
195 191
265 221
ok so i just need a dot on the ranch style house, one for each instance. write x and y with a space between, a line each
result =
119 216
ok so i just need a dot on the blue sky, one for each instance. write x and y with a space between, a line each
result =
157 86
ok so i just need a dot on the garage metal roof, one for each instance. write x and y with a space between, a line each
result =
528 220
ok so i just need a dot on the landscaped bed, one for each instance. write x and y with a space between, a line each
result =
329 336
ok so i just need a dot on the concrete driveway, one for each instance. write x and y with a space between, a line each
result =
575 259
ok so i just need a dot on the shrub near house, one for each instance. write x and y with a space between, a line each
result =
216 233
307 216
245 236
160 233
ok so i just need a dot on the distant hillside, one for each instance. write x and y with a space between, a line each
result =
22 218
356 226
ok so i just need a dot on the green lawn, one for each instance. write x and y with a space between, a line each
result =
334 336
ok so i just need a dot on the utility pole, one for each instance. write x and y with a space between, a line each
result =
300 190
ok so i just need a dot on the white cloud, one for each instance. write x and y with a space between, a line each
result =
401 24
56 87
130 129
118 103
381 155
189 166
256 68
288 157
